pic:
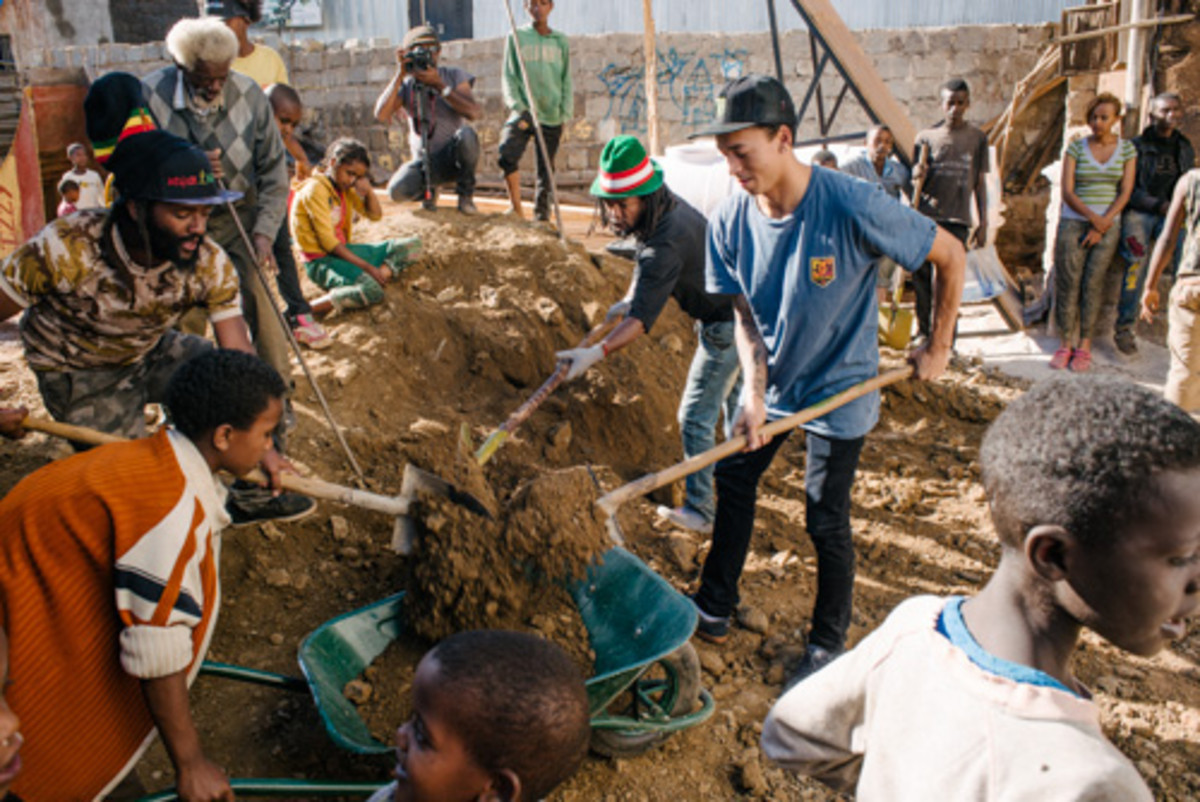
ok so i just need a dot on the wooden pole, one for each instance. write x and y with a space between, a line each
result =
537 123
651 70
1135 61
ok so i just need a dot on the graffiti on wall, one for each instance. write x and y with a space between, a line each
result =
688 81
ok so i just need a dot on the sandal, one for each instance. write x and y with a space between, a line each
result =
1081 361
309 332
1060 359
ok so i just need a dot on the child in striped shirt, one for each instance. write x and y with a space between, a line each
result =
1098 175
109 588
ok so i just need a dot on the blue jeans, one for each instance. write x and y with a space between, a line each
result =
829 470
1139 231
713 383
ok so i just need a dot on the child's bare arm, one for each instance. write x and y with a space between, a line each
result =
1164 247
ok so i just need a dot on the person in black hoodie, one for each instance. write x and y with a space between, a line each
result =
1164 154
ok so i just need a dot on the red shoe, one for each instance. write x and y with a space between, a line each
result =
1081 361
1061 358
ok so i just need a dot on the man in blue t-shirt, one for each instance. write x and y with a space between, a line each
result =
798 250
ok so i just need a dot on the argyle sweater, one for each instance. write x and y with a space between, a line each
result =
242 127
108 575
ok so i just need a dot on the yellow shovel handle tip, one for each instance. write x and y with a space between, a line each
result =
490 446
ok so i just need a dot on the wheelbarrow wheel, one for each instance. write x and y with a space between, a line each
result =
670 686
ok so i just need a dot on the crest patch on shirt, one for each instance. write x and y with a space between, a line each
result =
822 270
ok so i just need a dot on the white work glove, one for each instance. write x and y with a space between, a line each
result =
581 359
617 311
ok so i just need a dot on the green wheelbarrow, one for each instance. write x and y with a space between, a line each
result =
646 685
647 681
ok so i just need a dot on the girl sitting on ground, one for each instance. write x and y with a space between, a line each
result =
321 218
1097 180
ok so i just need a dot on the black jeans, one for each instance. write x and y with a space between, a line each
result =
456 162
922 281
287 279
513 140
830 465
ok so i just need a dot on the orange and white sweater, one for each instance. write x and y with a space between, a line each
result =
108 576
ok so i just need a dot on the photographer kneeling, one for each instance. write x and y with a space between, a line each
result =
437 101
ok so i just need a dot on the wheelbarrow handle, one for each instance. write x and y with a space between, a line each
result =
317 488
652 481
285 788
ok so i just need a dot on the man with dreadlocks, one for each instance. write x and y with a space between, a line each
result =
670 263
102 289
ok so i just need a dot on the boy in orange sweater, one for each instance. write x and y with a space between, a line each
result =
109 588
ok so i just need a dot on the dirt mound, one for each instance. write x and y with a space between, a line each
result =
469 572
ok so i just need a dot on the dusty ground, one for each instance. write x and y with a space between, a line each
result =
465 336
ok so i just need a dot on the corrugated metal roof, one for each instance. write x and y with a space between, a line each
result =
701 16
360 19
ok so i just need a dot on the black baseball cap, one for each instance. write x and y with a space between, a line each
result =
749 101
158 166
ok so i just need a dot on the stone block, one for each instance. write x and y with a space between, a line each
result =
311 62
356 75
335 59
893 67
380 74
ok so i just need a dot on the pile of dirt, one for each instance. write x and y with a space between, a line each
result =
471 572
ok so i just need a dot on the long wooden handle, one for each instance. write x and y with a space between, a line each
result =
290 481
522 413
652 481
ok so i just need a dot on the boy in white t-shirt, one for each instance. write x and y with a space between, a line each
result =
91 185
1094 489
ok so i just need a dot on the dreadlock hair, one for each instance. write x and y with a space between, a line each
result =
654 206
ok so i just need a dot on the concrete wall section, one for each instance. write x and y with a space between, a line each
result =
340 84
38 26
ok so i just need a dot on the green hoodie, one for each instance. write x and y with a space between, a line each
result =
548 62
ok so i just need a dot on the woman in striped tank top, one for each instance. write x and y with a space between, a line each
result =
1097 180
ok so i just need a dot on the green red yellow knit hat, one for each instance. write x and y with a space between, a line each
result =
625 170
115 109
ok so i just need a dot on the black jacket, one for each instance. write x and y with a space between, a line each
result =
1160 164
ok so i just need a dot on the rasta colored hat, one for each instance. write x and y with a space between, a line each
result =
158 166
421 35
625 170
115 109
749 101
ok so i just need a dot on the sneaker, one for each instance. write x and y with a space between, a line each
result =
284 507
308 331
710 628
815 658
401 251
1061 358
685 517
1126 342
429 204
466 205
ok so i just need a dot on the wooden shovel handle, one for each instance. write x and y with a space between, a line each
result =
317 488
522 413
652 481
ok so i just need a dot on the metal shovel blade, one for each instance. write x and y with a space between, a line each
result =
416 481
